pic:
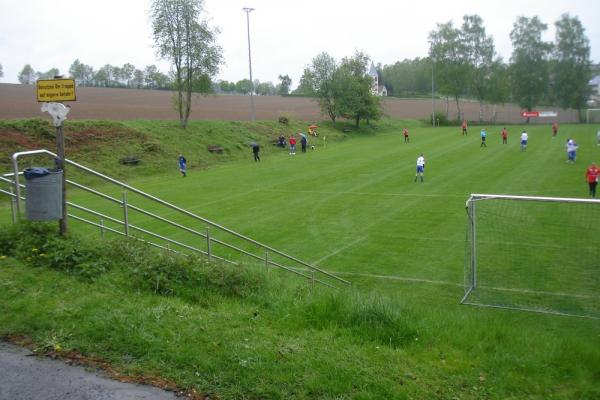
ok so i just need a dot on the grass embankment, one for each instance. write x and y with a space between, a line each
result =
352 208
235 333
156 144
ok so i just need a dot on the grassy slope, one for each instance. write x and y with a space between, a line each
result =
361 193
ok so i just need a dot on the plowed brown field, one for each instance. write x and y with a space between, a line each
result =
19 101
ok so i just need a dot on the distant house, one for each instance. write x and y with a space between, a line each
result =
376 88
595 86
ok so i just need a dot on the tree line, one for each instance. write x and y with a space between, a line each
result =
463 63
128 76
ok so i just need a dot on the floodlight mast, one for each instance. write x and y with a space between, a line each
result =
248 10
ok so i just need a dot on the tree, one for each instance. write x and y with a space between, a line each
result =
407 77
351 87
265 89
306 85
27 75
321 74
529 69
50 74
283 89
138 79
451 67
571 67
183 38
127 73
497 88
243 86
77 71
479 55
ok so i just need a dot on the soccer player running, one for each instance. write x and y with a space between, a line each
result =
591 175
524 139
420 167
554 129
571 151
483 136
405 133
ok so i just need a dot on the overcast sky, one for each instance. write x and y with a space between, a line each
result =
285 35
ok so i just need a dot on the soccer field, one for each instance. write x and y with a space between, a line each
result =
353 207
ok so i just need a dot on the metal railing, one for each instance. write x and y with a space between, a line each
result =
267 257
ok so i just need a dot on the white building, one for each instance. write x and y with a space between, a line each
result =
376 89
595 86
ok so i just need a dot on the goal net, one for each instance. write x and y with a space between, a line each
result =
533 253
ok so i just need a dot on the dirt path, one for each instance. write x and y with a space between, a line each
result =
24 376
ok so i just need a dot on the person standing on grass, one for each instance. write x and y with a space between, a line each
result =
524 140
571 150
504 136
483 136
292 141
591 175
464 127
303 142
554 129
420 167
182 165
405 133
255 151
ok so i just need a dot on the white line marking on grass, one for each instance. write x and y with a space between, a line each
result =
397 278
339 250
368 193
530 291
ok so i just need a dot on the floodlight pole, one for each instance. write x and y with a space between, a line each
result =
432 86
247 10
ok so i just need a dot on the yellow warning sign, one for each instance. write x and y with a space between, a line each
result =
55 90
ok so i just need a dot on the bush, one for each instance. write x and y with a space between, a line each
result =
440 119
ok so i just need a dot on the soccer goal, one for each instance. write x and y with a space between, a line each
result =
592 115
534 254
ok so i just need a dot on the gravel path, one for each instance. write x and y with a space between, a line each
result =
24 376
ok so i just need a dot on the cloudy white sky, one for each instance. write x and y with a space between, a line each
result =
285 34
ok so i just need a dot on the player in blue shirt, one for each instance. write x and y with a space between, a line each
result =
182 165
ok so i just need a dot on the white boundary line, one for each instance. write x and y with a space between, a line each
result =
339 250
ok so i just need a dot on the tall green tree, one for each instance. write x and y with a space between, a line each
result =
127 72
189 43
451 67
321 73
306 85
50 74
77 71
571 64
285 82
243 86
407 77
479 55
27 75
497 87
352 92
529 62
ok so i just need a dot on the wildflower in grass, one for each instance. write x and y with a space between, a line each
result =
34 250
2 257
28 259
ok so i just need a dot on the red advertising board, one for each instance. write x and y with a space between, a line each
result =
529 114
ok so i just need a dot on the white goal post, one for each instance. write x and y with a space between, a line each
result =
537 254
587 114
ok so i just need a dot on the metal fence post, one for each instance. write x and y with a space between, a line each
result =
13 210
267 260
102 227
208 249
125 214
312 277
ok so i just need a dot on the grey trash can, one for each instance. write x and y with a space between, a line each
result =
43 190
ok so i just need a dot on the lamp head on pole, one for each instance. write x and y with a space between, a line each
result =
248 9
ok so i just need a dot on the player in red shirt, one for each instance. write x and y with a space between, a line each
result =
405 132
504 136
292 145
554 129
591 176
464 127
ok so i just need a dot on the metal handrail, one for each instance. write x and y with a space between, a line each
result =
125 205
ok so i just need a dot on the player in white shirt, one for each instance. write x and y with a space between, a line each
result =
524 138
420 167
